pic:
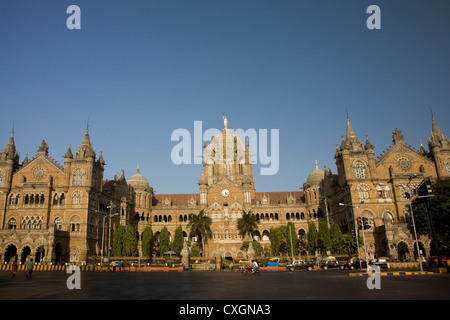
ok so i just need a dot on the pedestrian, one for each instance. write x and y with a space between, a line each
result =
30 268
14 269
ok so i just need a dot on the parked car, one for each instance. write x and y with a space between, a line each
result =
354 263
382 262
331 263
300 265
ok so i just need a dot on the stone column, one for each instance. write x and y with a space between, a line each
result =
185 255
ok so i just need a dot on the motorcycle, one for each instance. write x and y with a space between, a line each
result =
250 270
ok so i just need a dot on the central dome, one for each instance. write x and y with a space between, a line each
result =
225 148
315 177
138 181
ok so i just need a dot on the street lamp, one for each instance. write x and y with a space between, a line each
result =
103 234
356 231
409 196
110 207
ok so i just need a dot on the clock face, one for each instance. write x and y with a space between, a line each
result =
225 192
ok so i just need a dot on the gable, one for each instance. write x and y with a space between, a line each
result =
38 170
403 159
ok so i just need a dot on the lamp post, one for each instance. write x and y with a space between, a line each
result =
110 207
356 231
409 196
103 239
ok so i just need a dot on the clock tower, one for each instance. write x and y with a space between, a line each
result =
226 188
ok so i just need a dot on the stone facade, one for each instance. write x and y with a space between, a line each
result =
66 213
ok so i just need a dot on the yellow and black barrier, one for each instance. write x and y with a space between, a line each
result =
8 267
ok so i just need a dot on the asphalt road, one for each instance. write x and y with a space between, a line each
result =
299 285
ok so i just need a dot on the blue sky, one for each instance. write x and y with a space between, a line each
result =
138 70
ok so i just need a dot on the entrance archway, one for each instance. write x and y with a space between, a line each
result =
10 252
26 251
402 250
40 254
421 248
58 253
228 256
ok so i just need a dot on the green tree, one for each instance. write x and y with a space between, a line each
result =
164 241
276 238
312 238
178 241
291 240
195 251
324 241
147 242
200 225
256 246
432 216
247 224
440 212
129 242
336 240
117 248
349 245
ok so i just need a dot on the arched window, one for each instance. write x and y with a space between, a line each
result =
363 190
95 180
12 223
360 170
75 223
447 165
78 177
58 223
76 198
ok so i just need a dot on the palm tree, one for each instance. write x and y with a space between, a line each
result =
200 225
247 224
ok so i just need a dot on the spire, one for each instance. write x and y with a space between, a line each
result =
86 149
368 145
43 149
435 131
86 140
437 138
351 142
10 149
350 134
100 159
68 153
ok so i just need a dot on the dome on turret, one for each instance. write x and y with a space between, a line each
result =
315 177
138 181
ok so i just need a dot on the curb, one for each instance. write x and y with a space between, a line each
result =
401 273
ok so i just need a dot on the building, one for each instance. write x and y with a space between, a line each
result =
378 190
67 213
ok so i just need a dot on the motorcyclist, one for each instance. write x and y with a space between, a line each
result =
254 266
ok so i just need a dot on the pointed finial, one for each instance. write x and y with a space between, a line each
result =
317 167
137 171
